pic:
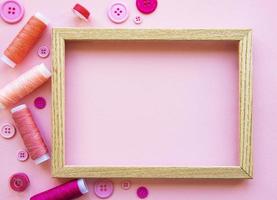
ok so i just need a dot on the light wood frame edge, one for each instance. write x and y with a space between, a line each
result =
243 36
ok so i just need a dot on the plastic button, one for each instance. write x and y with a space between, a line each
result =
19 182
103 189
43 51
137 20
147 6
118 13
126 185
40 102
8 130
142 192
22 155
11 11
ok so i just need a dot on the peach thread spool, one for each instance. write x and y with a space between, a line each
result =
30 134
23 85
25 40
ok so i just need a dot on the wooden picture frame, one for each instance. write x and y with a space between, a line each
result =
242 36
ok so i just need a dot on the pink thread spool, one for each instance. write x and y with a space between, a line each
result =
30 134
67 191
23 85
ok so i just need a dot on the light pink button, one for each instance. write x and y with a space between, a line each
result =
126 185
22 155
103 189
7 130
147 6
43 51
11 11
138 20
118 13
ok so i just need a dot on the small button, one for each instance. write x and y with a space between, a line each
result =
137 20
19 182
142 192
103 189
118 13
43 51
147 6
40 102
7 130
126 185
11 11
22 155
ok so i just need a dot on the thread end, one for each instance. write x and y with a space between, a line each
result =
42 159
18 108
82 186
8 61
42 18
44 70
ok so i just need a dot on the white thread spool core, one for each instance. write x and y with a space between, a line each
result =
8 61
42 18
82 186
18 108
44 70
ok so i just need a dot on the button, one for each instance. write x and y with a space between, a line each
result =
81 11
137 20
43 51
8 130
118 13
22 155
103 189
147 6
19 182
126 185
11 11
142 192
40 102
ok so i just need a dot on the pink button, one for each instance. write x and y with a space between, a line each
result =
40 103
19 182
142 192
43 51
7 130
126 185
103 189
11 11
147 6
118 13
138 20
22 155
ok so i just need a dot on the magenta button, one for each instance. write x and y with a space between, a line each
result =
11 11
43 51
147 6
40 102
142 192
7 130
118 13
19 182
103 189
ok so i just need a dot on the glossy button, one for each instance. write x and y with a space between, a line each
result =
118 13
19 182
40 102
43 51
7 130
142 192
137 20
103 189
11 11
22 155
146 6
126 185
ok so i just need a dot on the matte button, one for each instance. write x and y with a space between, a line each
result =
147 6
118 13
103 189
126 185
137 20
22 155
19 182
40 102
43 51
11 11
7 130
142 192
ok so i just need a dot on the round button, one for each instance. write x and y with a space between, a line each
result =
118 13
147 6
7 130
43 51
40 102
126 185
142 192
137 20
22 155
103 189
19 182
11 11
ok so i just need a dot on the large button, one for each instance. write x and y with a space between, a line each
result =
40 103
103 189
22 155
11 11
19 182
43 51
142 192
147 6
118 13
7 130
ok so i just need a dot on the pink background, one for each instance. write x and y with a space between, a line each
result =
213 64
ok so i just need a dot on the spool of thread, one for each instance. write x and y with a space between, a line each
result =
30 134
67 191
25 40
23 85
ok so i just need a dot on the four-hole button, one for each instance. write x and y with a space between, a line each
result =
7 130
103 189
11 11
118 13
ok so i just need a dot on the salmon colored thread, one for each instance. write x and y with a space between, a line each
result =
29 132
23 85
24 41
